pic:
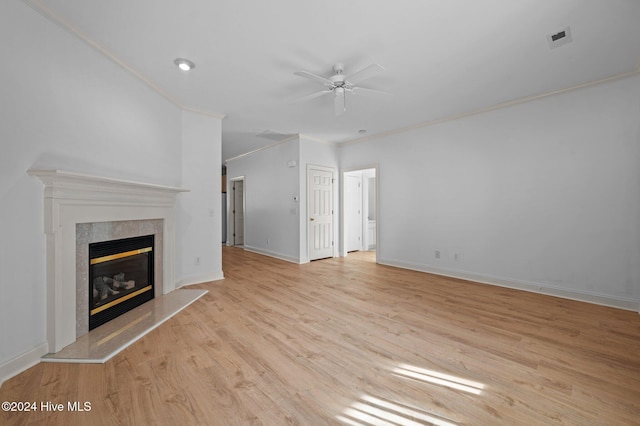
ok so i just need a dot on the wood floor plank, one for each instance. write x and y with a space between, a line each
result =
347 341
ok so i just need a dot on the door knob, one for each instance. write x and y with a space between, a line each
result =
311 219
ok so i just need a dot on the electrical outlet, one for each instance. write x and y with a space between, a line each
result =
196 261
437 254
456 257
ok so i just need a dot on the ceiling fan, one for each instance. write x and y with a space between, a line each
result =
340 85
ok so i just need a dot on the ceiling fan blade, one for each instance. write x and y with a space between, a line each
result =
365 73
311 76
357 89
311 96
339 102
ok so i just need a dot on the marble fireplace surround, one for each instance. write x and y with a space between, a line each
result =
73 198
87 233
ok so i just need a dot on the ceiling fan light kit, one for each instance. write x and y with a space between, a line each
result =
339 101
341 85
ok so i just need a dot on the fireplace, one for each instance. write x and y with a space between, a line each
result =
121 277
114 209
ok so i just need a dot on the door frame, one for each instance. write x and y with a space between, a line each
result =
231 200
333 203
348 229
343 235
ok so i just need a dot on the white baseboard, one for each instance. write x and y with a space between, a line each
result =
550 290
22 362
199 279
280 256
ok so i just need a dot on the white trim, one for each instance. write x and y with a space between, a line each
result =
71 198
289 138
262 148
532 287
22 362
201 111
200 279
67 184
490 108
54 17
314 139
276 255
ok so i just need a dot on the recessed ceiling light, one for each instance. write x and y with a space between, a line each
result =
184 64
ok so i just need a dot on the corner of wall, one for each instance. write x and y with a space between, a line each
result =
200 279
22 362
275 255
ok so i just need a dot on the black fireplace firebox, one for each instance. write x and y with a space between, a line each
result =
120 277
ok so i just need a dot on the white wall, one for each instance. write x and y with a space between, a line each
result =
542 196
275 224
270 185
63 105
198 227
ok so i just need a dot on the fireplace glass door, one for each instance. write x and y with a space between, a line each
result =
120 277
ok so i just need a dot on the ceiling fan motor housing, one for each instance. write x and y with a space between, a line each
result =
337 80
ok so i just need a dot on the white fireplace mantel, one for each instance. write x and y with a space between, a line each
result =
71 198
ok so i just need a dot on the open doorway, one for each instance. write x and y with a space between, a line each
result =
360 213
236 210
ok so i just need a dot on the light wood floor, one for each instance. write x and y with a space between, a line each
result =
346 341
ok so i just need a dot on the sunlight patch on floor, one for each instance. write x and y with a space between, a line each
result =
430 376
370 410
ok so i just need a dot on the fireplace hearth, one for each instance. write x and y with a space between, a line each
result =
121 277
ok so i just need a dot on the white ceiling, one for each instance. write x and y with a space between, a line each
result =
443 58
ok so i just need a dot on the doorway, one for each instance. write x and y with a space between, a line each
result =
237 201
360 223
320 238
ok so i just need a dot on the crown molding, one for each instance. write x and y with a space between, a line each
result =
54 17
297 135
314 139
484 110
262 148
202 112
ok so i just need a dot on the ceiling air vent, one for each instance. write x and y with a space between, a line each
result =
560 38
274 135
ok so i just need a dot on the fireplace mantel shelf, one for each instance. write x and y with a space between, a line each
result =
68 184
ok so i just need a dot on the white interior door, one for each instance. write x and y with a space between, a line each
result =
320 211
353 211
238 212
